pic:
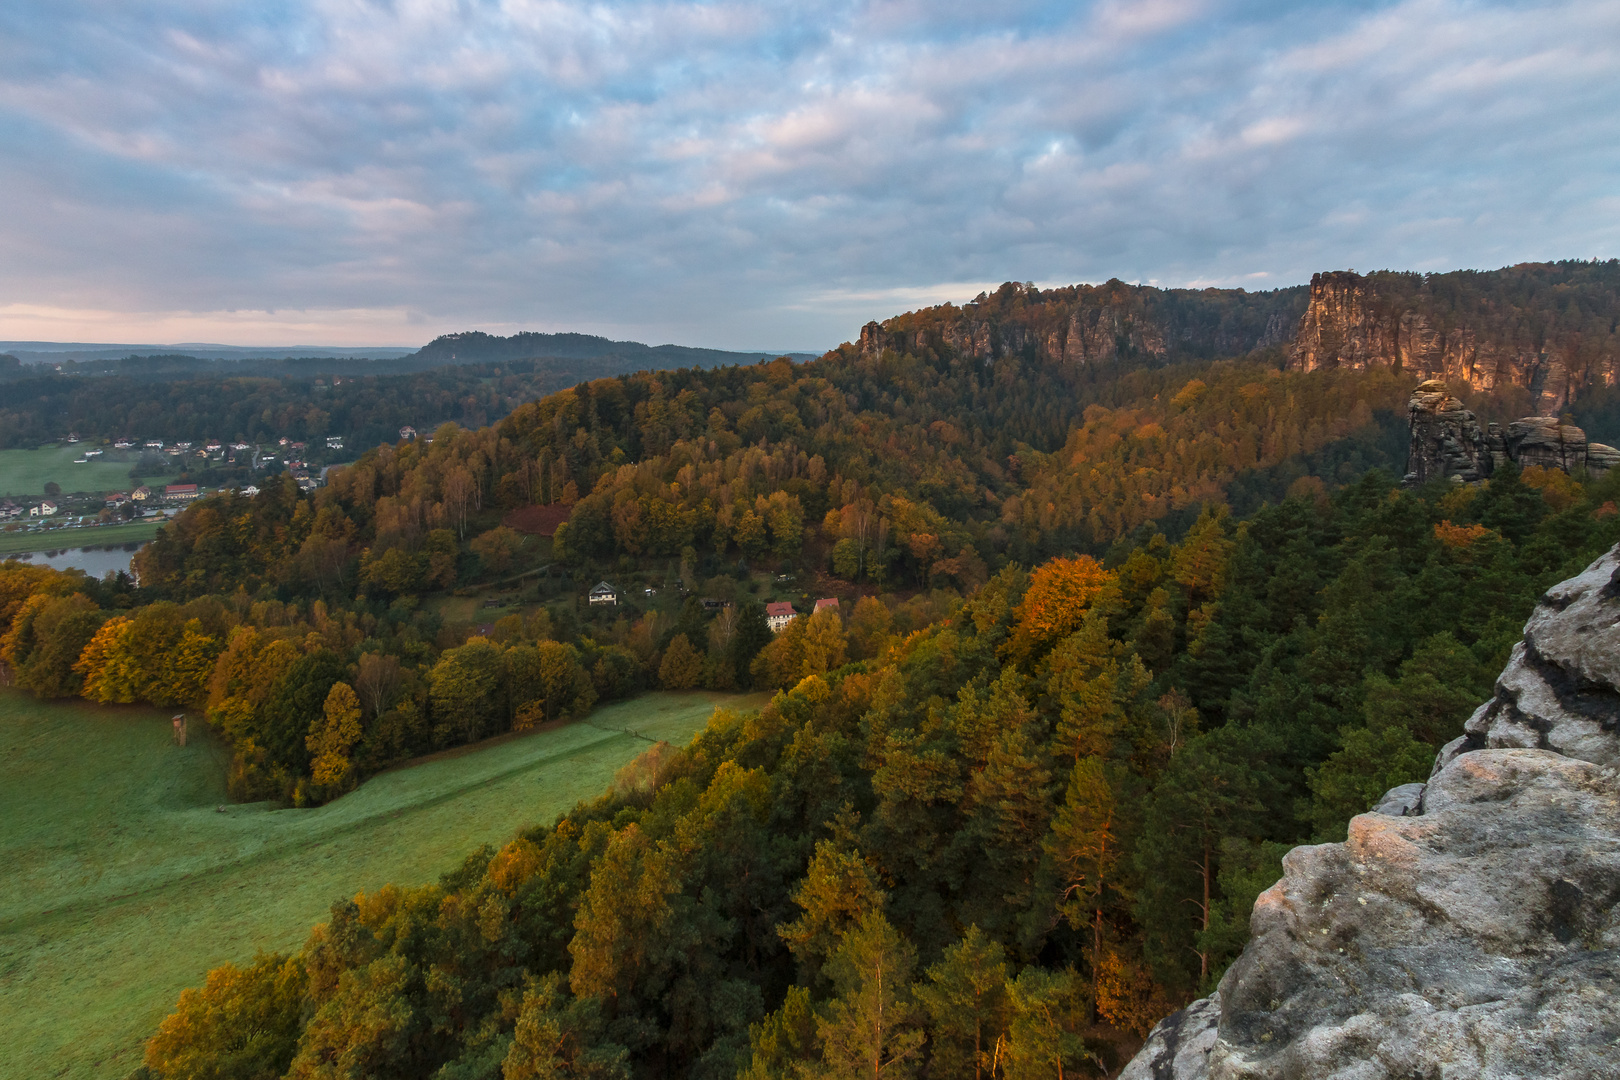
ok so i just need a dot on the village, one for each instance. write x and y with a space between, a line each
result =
84 484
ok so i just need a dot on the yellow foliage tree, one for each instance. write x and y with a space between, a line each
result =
683 665
824 644
242 1023
334 735
104 663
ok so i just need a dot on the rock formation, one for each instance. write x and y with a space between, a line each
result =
1446 439
1449 329
1548 328
1087 324
1448 443
1468 927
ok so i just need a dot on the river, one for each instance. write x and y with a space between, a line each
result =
95 561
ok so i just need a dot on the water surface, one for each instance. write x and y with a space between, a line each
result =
97 561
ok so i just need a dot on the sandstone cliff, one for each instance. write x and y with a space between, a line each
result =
1448 443
1455 327
1087 324
1468 926
1550 329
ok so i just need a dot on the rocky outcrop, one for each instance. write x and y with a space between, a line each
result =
1448 443
1548 328
1390 321
1446 439
1463 329
1092 324
1558 691
1468 927
1542 440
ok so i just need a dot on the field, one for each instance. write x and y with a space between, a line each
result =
85 536
25 472
128 876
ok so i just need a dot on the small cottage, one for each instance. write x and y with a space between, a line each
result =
604 594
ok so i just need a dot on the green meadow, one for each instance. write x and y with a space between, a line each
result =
127 875
26 472
79 536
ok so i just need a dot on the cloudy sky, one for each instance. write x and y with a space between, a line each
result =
765 175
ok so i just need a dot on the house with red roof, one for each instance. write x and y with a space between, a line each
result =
778 615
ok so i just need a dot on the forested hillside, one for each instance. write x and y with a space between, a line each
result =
470 379
998 845
1113 635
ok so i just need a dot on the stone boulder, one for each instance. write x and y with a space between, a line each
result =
1543 441
1468 927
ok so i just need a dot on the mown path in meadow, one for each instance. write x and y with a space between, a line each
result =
124 883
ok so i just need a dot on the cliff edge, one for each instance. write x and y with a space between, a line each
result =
1468 926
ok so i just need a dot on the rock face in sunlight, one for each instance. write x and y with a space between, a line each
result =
1448 442
1468 927
1405 321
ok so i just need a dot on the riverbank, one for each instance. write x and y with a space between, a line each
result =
12 543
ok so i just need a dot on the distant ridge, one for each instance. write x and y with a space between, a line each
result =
477 347
56 352
468 347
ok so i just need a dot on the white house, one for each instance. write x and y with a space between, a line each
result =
778 615
44 509
605 594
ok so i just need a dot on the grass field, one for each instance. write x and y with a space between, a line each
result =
87 536
124 883
25 472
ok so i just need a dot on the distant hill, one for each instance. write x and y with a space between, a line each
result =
477 347
57 352
588 356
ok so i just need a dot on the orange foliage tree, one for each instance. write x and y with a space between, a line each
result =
1060 593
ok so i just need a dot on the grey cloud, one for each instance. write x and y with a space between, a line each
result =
750 174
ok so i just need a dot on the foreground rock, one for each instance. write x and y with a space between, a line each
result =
1470 928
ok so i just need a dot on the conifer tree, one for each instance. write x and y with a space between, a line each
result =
871 1030
968 1008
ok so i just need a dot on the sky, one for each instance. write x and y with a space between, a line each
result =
765 175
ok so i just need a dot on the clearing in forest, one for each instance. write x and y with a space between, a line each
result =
24 473
124 883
